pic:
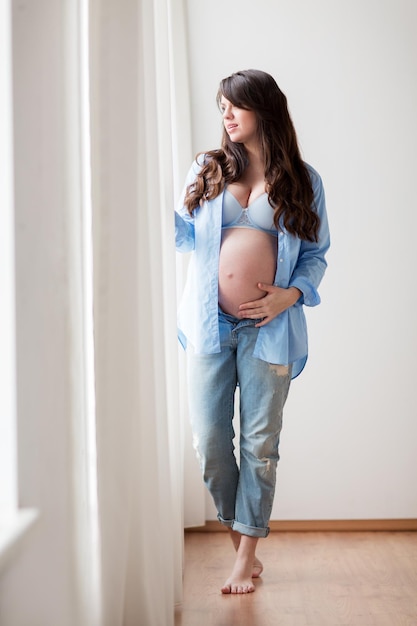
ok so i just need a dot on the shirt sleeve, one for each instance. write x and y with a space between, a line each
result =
311 263
184 222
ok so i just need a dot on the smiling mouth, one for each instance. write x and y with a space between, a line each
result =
231 127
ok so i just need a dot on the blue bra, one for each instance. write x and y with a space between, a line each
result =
259 214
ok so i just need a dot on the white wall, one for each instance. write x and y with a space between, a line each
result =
349 445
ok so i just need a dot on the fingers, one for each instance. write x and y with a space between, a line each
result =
255 304
264 287
260 302
253 313
263 322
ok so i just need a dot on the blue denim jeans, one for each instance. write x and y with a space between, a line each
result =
243 494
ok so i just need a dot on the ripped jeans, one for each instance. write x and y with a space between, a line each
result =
244 493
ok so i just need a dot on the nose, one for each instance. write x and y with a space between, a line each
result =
227 113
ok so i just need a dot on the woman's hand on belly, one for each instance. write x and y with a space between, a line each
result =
275 301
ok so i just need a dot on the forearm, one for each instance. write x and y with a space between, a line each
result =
293 295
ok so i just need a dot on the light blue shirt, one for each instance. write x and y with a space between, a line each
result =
300 264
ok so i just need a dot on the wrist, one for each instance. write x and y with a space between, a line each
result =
295 294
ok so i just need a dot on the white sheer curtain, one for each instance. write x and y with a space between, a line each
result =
194 490
138 446
118 563
8 478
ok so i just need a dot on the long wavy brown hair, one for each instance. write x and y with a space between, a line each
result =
287 179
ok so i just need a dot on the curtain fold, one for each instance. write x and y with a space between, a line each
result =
138 444
194 513
8 484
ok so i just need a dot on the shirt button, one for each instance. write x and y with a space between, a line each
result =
281 260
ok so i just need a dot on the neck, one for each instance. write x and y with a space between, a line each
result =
255 159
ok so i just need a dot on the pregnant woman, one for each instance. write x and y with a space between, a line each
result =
253 214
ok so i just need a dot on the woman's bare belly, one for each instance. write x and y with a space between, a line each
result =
247 257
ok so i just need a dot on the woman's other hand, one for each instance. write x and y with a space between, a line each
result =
275 301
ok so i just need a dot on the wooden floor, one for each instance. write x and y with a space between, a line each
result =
310 579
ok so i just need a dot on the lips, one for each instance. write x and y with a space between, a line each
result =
231 126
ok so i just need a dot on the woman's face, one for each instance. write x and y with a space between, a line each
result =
241 125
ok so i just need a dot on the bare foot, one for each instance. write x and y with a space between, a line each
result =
240 580
257 564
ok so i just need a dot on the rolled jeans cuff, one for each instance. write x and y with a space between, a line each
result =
243 529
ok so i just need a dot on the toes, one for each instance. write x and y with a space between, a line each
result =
238 588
